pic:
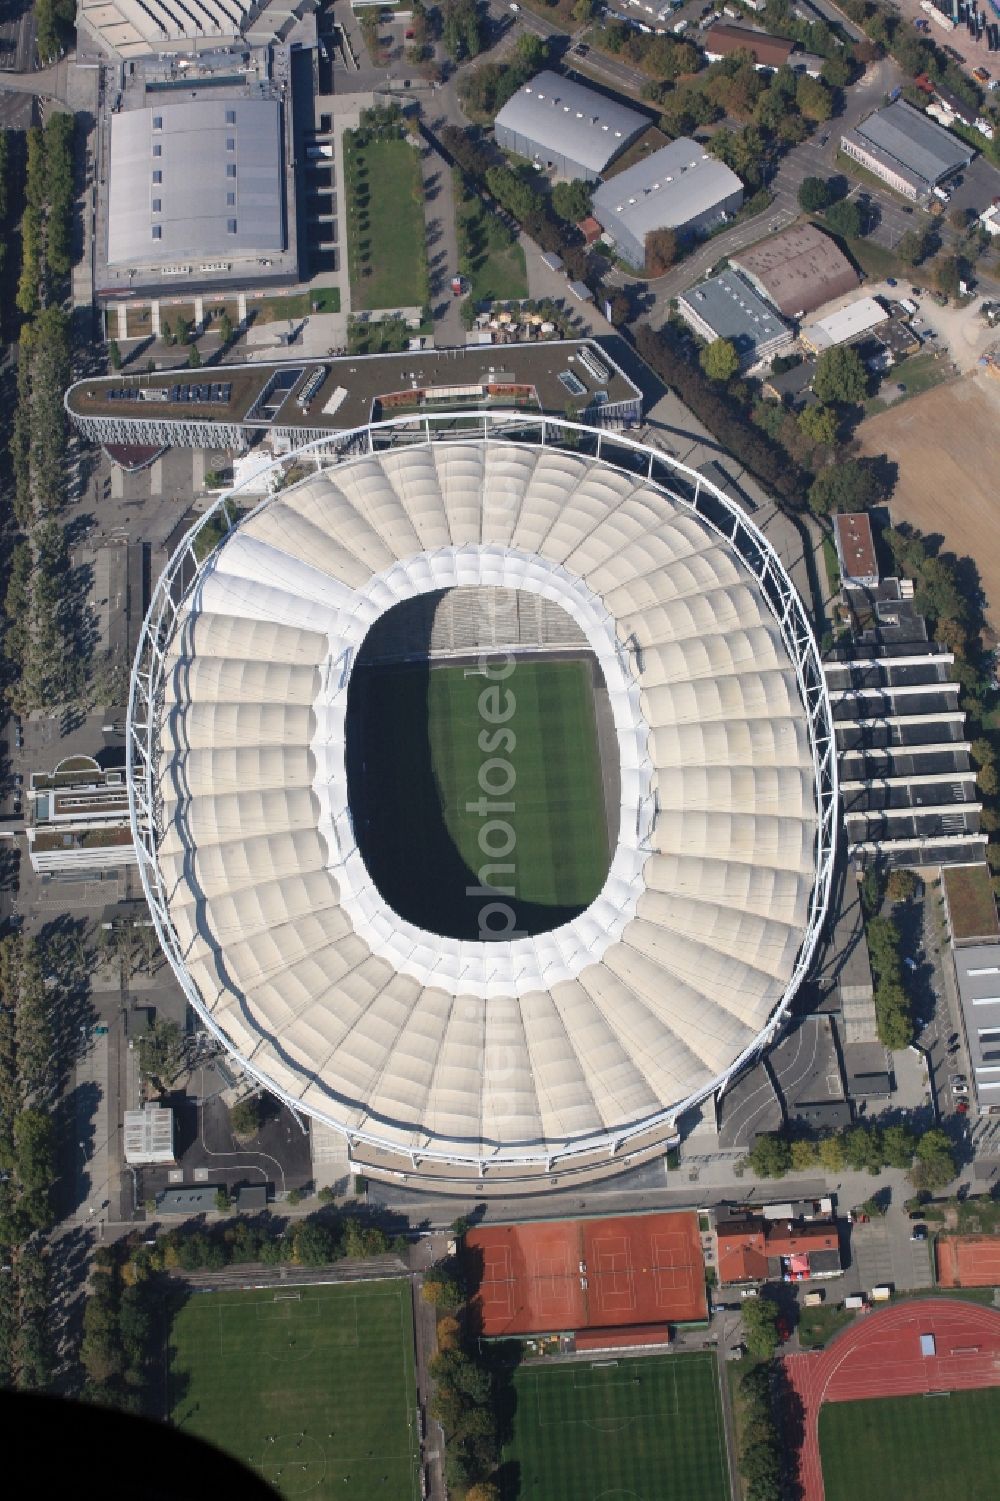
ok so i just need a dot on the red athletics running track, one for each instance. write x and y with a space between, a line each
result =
879 1356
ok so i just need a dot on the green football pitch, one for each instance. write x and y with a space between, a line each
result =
446 798
312 1387
916 1448
643 1429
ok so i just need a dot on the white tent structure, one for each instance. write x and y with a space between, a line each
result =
538 1056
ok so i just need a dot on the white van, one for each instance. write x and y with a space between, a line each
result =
681 26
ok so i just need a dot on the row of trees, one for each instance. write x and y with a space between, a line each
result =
54 22
47 225
892 1004
28 1085
928 1158
760 1447
724 414
464 1397
119 1333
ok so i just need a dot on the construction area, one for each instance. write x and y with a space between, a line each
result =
940 442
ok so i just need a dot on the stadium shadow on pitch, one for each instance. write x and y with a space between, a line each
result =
399 820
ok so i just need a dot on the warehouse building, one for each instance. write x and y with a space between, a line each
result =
906 149
797 270
196 195
844 326
679 187
566 127
727 307
768 52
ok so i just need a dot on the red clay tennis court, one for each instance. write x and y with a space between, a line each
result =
880 1356
566 1276
968 1260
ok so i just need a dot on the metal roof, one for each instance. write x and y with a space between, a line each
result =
847 323
909 137
799 269
570 120
668 189
202 178
977 968
733 310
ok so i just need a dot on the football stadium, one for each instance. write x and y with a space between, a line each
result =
483 785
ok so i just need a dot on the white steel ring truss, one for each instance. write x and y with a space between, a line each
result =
682 485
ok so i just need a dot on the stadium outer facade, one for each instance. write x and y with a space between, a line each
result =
203 934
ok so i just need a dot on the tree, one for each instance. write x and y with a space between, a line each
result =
844 218
194 357
245 1116
814 194
898 1145
160 1051
571 200
819 423
840 375
831 1153
770 1156
902 884
813 98
222 1200
948 272
225 327
846 486
661 251
442 1287
935 1164
485 1490
114 355
719 360
760 1326
912 248
803 1153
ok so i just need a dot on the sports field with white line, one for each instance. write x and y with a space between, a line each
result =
634 1429
312 1387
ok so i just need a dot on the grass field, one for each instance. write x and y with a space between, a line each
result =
495 260
646 1429
418 733
935 1446
336 1362
387 254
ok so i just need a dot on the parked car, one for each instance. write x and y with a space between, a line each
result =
891 281
957 1079
749 1292
916 1214
919 1232
962 1108
959 1089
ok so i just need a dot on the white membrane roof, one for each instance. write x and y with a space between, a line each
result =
426 1043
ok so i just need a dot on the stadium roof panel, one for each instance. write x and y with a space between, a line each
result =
605 1024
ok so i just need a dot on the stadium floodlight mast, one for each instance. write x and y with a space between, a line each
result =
683 488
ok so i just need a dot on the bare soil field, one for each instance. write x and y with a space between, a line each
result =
947 446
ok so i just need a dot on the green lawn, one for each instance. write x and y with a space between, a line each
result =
336 1362
932 1447
817 1326
419 734
494 261
646 1429
298 305
387 254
